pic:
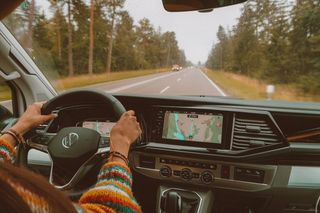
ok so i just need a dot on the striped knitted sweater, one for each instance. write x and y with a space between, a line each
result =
112 193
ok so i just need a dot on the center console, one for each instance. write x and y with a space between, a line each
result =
208 173
190 151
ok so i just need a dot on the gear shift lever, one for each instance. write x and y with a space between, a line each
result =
171 203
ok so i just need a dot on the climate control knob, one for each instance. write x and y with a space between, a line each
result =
186 174
206 177
165 171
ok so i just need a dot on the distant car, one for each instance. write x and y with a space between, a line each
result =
175 67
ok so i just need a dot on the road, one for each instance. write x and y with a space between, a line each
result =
189 81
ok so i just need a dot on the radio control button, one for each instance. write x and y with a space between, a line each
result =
166 171
206 177
186 174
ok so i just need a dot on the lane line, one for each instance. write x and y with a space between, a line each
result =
165 89
213 84
179 79
138 83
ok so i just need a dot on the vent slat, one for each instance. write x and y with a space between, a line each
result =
244 126
265 132
244 139
251 124
250 120
256 138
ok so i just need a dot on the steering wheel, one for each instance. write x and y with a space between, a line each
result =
72 150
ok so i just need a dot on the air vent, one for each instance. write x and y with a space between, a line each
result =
253 131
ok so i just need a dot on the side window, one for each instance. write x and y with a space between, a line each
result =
5 95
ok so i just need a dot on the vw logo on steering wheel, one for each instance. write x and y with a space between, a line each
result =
70 140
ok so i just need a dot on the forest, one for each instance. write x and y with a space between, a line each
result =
274 41
75 37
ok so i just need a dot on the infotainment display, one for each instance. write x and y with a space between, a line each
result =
193 127
104 128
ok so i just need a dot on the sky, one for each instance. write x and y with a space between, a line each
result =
195 32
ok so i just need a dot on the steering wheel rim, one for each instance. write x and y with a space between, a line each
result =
68 99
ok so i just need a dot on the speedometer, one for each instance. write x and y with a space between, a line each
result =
104 128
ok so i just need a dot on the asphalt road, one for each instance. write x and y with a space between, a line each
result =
189 81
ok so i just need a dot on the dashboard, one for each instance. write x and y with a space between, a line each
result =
201 146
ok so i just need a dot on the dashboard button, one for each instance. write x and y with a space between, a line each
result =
213 166
162 160
183 163
166 171
186 174
195 175
204 165
177 162
225 171
176 173
206 177
197 164
190 163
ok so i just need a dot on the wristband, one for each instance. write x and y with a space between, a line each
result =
119 155
18 138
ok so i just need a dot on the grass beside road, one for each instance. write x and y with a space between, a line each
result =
86 80
248 88
4 93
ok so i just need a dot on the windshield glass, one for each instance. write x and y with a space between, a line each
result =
255 50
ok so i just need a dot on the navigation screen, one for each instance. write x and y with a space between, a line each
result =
193 127
104 128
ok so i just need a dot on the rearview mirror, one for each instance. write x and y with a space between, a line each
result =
200 5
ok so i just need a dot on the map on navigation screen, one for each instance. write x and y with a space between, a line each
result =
104 128
193 127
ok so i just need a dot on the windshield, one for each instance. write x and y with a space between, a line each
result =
255 50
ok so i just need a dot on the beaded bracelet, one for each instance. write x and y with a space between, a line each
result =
119 155
18 138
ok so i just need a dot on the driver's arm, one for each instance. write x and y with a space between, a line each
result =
113 192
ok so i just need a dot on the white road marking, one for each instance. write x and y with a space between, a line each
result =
179 79
165 89
138 83
213 84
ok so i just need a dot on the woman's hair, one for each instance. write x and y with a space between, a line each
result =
11 178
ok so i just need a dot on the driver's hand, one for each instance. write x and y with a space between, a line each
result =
124 133
31 118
